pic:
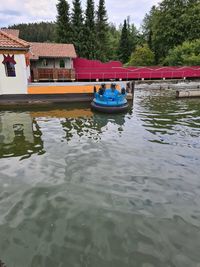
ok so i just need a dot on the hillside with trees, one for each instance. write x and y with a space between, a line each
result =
169 34
37 32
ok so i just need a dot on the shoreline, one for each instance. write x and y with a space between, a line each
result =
84 91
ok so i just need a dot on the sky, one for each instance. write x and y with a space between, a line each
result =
23 11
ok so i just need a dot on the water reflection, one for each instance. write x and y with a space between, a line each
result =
164 116
20 135
92 127
107 192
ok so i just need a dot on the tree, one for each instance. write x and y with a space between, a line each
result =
134 36
102 31
170 24
192 20
186 54
89 45
124 44
36 32
142 56
113 42
77 26
64 31
147 26
168 27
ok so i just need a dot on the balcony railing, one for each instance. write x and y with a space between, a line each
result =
47 74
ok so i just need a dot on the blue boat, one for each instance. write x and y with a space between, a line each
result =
110 100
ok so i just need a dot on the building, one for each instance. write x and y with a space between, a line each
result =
11 31
47 62
13 67
52 62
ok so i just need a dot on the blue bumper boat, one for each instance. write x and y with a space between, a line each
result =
109 100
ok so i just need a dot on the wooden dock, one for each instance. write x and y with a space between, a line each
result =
55 93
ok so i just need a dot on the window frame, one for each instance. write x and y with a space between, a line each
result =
45 62
62 66
10 69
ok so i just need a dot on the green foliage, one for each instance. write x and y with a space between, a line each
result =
113 42
64 31
102 31
142 56
91 35
165 29
170 24
192 20
129 39
124 44
147 26
77 26
186 54
134 36
89 30
36 32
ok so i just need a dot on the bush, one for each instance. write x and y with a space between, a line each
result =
142 56
186 54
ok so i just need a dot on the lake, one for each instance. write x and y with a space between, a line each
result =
82 189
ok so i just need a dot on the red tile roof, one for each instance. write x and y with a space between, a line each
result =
51 50
8 41
11 31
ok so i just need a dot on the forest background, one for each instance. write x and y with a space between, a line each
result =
168 35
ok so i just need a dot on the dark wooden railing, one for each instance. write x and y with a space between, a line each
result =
47 74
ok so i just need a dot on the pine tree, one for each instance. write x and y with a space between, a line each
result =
124 50
113 42
102 31
77 26
89 47
147 26
64 30
133 36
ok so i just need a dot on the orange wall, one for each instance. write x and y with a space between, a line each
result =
60 89
44 89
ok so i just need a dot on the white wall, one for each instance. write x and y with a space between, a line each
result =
14 85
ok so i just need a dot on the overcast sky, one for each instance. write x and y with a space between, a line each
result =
18 11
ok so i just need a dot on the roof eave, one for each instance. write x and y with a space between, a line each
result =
53 57
14 48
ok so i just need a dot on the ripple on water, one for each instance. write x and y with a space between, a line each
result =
84 189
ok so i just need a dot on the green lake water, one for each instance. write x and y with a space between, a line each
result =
80 189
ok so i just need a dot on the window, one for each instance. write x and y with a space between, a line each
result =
45 62
10 69
9 64
62 63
